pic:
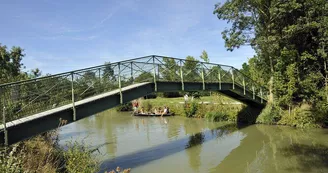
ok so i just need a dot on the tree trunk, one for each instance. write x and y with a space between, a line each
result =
270 99
326 79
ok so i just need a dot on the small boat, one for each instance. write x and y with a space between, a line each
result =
152 114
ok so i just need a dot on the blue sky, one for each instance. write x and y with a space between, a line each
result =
62 35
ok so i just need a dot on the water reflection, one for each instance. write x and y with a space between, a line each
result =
160 151
151 144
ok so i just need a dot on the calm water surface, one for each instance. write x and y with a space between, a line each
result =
178 144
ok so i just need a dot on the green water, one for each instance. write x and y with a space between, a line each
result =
178 144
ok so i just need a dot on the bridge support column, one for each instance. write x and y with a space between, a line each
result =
73 97
154 73
233 78
119 83
4 125
203 78
181 76
244 85
99 75
220 86
131 63
253 92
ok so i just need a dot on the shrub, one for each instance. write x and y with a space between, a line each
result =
190 109
147 105
124 107
271 114
79 159
303 116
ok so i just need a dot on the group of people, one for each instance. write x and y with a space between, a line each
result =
156 110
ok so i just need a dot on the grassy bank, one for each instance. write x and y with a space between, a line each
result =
215 107
221 108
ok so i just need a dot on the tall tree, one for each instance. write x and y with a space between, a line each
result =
204 56
252 24
10 64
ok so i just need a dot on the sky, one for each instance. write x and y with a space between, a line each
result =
64 35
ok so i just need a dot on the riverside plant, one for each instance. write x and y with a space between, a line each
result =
43 154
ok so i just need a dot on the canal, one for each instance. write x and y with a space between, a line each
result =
178 144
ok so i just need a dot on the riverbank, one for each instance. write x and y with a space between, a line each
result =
215 107
221 108
44 154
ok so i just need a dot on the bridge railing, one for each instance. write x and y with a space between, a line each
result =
24 98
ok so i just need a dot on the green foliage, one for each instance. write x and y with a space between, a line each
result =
204 56
144 77
10 64
10 163
146 104
303 116
190 109
217 116
291 43
124 107
79 159
271 114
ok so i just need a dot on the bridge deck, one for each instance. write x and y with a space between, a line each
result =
35 124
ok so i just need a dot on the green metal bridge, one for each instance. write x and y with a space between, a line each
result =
37 105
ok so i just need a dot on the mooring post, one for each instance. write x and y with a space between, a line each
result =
73 96
203 78
181 76
119 82
4 125
220 87
233 78
244 85
154 73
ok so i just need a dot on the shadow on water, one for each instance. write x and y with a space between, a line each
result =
157 152
309 157
249 114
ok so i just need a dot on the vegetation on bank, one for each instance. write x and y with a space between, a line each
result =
215 107
290 39
43 154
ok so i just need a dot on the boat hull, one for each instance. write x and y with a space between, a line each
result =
153 115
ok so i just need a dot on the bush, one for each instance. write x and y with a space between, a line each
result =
42 154
190 109
124 107
147 105
303 116
78 159
271 114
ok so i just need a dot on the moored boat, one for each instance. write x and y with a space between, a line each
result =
152 114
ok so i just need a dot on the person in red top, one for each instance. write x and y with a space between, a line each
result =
135 106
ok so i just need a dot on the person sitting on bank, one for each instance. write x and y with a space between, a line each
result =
166 110
135 105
